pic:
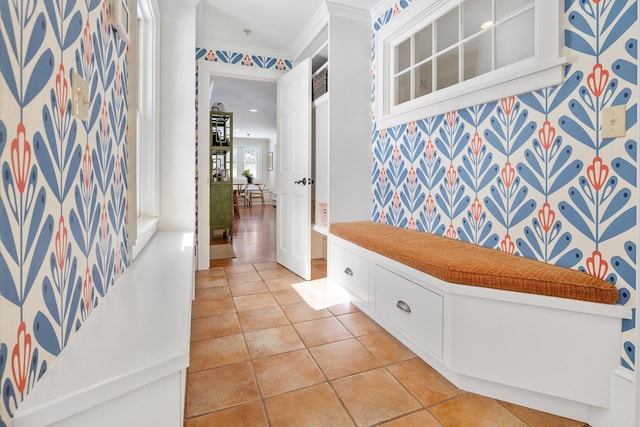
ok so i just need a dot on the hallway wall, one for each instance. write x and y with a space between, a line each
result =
63 195
530 174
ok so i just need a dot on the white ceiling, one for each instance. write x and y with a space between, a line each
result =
239 96
275 26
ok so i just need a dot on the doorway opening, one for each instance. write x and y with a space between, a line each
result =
208 71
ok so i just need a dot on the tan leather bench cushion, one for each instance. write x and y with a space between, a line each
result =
465 263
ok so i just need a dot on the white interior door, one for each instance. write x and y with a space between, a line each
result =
293 214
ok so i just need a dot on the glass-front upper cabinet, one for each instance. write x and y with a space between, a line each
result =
473 38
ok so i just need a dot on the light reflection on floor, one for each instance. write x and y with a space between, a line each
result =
321 293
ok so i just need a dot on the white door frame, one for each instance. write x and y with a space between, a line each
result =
206 70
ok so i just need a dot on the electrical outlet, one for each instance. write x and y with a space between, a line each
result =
614 122
79 96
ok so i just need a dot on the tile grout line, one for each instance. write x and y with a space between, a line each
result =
246 345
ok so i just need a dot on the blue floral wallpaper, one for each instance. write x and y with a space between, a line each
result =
243 59
530 174
63 194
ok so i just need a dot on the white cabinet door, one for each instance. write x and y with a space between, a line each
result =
293 214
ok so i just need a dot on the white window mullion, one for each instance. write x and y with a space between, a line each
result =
517 73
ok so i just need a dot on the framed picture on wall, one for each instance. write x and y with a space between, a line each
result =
270 160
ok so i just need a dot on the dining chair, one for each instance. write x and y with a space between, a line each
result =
256 194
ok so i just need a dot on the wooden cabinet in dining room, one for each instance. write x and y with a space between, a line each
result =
221 179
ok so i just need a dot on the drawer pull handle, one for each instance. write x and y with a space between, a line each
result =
403 306
348 271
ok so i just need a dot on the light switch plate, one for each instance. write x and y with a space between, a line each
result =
79 96
614 121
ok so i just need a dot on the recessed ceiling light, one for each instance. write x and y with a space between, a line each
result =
486 25
253 110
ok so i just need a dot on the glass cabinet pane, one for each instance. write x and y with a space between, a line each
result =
477 56
402 88
514 41
506 7
475 13
403 56
447 69
424 79
447 29
424 43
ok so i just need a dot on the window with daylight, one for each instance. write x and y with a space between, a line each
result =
440 55
146 154
247 157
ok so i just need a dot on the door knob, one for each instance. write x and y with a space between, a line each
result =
303 181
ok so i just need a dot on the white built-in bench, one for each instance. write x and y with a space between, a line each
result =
127 365
493 323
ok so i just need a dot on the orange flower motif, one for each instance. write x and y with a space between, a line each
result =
396 9
411 225
508 174
451 176
596 266
211 56
383 218
430 204
597 173
396 201
118 80
451 232
396 153
383 175
104 223
546 216
62 90
476 209
430 149
476 143
20 358
412 128
88 45
104 119
61 242
507 104
597 80
87 287
117 259
105 15
86 166
247 60
117 171
507 245
412 175
546 134
21 158
383 134
280 64
451 118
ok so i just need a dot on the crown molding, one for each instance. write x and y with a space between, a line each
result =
381 7
350 12
310 32
241 48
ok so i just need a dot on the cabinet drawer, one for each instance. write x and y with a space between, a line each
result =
351 271
411 308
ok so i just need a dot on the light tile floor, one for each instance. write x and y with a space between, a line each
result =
260 356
